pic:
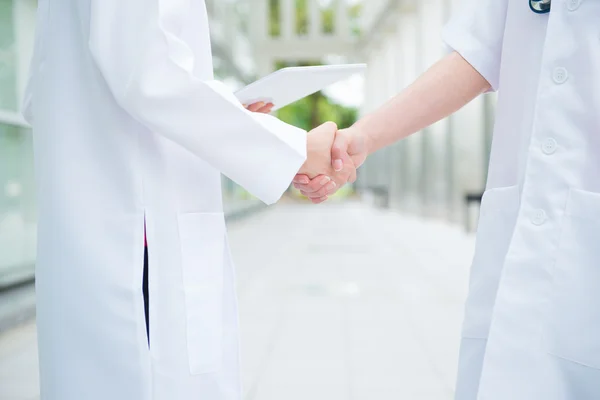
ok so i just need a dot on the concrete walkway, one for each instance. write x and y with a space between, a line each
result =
339 301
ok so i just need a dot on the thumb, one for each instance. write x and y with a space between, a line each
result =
325 128
357 150
339 150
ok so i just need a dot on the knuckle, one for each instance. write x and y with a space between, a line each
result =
322 192
319 186
314 186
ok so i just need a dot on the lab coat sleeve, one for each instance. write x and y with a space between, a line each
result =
476 32
149 70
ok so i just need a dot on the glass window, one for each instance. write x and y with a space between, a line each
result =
17 205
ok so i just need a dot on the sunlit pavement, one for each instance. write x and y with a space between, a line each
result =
338 301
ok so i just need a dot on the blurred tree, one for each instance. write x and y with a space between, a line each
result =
274 20
328 15
316 109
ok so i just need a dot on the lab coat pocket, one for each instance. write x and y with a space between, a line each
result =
573 330
202 237
499 208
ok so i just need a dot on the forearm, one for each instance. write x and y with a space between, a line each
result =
443 89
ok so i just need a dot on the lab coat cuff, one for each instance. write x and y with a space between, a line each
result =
474 52
285 162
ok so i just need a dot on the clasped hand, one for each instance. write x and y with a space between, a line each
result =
332 159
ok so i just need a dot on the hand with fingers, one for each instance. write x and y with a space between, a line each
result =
260 107
318 169
328 166
318 178
348 152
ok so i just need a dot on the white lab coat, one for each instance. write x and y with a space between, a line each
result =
131 129
532 323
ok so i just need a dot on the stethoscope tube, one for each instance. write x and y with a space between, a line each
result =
540 6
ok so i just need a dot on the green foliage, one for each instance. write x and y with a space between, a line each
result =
302 17
315 109
302 112
355 11
274 20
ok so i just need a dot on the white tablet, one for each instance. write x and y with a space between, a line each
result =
290 84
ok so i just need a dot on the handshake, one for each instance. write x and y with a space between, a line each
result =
332 159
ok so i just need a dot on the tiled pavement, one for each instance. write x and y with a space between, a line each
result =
339 301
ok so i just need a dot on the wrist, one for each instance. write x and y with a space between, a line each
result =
360 131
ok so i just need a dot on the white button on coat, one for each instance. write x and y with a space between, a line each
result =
560 75
573 5
131 132
549 146
532 319
539 217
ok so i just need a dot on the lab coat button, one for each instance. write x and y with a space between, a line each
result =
549 146
573 5
539 217
560 75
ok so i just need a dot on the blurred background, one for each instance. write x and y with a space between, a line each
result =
360 298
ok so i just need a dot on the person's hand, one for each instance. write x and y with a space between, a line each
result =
349 142
318 158
260 107
319 188
349 150
319 165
